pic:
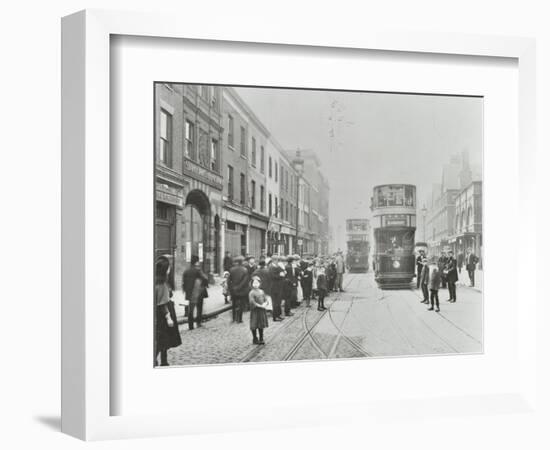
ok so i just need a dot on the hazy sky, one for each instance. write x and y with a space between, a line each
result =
378 138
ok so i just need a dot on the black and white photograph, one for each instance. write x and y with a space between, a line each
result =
300 224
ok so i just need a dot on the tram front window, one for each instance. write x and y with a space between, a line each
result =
392 242
395 195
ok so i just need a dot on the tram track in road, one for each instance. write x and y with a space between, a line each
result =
444 317
308 334
445 341
342 335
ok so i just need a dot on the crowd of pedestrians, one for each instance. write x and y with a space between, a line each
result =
433 274
269 289
277 284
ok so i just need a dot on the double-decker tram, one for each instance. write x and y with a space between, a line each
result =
394 223
357 233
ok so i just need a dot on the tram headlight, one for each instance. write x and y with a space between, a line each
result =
396 265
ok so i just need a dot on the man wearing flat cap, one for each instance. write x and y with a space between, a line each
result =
277 279
238 285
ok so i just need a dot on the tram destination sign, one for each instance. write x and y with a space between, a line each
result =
396 220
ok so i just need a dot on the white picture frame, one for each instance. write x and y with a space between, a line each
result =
86 254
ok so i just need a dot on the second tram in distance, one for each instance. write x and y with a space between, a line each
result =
394 223
357 240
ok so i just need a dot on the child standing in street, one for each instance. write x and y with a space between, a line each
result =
434 284
225 287
322 289
258 314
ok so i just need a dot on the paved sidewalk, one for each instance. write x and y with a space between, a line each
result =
213 305
464 280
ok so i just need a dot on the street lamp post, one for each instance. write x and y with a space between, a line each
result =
298 164
424 212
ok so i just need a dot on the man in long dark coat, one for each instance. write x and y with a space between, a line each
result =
441 263
277 280
194 284
239 286
451 276
227 262
471 262
419 267
291 287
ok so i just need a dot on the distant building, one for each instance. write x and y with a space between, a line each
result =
245 216
468 223
458 187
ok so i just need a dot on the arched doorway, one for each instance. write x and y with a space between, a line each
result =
196 228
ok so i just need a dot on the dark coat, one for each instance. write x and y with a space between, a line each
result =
419 265
425 274
471 261
451 269
238 281
322 283
307 277
188 281
227 263
263 274
434 281
276 278
292 275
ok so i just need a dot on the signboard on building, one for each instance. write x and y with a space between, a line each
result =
200 173
169 194
200 252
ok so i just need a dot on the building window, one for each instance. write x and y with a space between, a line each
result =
276 207
287 211
214 152
270 168
230 182
270 205
262 159
189 139
282 208
262 198
276 172
243 189
230 131
253 152
165 144
243 142
203 150
162 211
286 180
253 194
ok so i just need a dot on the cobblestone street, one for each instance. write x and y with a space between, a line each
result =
363 321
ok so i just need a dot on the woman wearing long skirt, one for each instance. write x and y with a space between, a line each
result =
166 324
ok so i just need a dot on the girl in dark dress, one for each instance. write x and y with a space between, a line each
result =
258 314
322 289
166 325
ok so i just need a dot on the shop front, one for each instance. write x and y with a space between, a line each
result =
257 236
168 209
236 233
